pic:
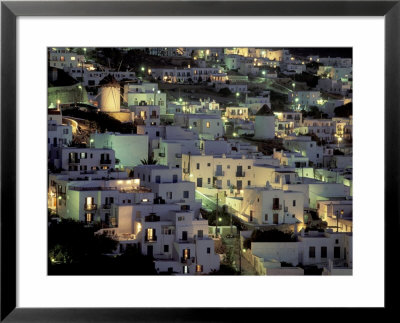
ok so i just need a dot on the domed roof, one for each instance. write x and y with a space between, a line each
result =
265 110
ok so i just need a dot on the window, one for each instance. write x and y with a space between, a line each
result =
200 233
228 182
65 131
266 217
166 248
249 167
251 216
228 167
248 183
336 252
169 195
185 269
175 178
198 166
208 250
208 124
199 268
185 194
324 252
209 180
294 202
208 164
311 252
158 179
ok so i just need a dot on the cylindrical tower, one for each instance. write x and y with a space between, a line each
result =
110 98
264 127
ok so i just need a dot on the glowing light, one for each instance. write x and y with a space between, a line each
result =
234 134
180 99
80 87
145 200
158 92
91 140
244 250
142 69
237 94
59 197
191 175
263 72
58 101
220 219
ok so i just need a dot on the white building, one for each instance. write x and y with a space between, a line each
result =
304 99
233 87
92 77
74 159
208 126
305 146
145 93
130 149
264 127
291 159
58 135
61 58
266 206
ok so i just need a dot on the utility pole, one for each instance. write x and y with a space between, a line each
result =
216 218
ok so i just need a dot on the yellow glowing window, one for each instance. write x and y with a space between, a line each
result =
62 58
199 268
72 58
208 125
150 235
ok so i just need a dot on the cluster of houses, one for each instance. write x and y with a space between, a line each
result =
210 153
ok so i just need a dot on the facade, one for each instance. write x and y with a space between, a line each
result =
74 159
123 145
60 58
208 126
264 206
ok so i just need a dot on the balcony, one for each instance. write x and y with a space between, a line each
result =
73 161
277 207
90 207
219 174
187 261
240 174
152 218
152 239
105 161
161 154
106 206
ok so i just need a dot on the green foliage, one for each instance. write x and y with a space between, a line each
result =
149 161
74 249
344 111
72 241
225 270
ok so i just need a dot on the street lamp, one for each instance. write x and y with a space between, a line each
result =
237 94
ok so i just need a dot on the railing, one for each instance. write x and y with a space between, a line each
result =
152 218
90 207
277 207
105 161
222 173
240 174
152 239
161 154
73 161
185 260
106 206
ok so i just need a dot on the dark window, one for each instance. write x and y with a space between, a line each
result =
208 250
311 252
336 252
294 202
185 194
200 233
324 252
166 248
197 166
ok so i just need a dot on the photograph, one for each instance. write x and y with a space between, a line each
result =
200 161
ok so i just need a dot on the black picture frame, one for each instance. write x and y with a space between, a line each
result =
10 10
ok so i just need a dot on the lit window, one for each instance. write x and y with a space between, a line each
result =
208 124
72 58
199 268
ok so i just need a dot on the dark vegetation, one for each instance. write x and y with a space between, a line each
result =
74 249
273 235
103 122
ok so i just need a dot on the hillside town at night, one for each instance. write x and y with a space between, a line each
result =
200 161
